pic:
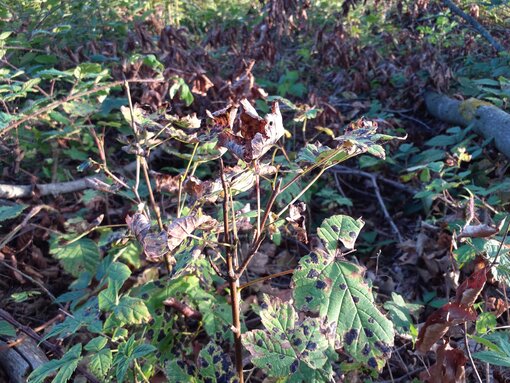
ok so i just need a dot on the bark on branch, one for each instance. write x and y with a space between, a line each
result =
486 119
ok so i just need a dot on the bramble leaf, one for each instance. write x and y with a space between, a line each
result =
339 228
287 345
65 367
78 256
336 290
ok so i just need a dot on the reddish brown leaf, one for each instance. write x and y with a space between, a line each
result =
449 367
468 291
439 322
254 135
166 182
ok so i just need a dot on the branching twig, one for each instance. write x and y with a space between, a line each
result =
92 182
475 24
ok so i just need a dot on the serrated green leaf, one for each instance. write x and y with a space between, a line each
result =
176 373
340 228
215 365
131 310
96 344
335 290
493 357
65 367
12 211
78 256
101 362
7 329
286 345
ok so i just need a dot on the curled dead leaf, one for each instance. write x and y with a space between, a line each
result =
253 135
154 245
478 231
470 289
297 219
439 322
449 367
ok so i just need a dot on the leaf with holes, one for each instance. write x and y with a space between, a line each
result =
340 228
335 290
288 345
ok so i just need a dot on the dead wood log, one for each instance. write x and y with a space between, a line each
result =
486 119
21 359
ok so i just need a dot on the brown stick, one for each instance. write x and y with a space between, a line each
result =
233 281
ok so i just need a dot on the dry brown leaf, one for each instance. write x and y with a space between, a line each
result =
254 135
297 219
181 228
154 245
470 289
478 231
449 367
439 322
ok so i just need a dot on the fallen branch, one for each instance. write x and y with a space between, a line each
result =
475 24
485 118
55 349
93 182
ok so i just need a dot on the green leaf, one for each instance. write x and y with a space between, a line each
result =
485 322
12 211
129 351
287 345
65 367
78 256
101 362
215 365
499 356
131 310
96 344
400 313
339 228
335 290
7 329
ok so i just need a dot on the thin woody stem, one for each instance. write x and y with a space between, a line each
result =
262 279
233 281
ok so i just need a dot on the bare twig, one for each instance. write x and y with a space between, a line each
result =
475 24
466 341
92 182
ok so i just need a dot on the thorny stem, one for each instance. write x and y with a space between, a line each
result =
233 281
155 207
507 226
257 189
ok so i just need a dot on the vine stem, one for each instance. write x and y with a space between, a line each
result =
233 280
